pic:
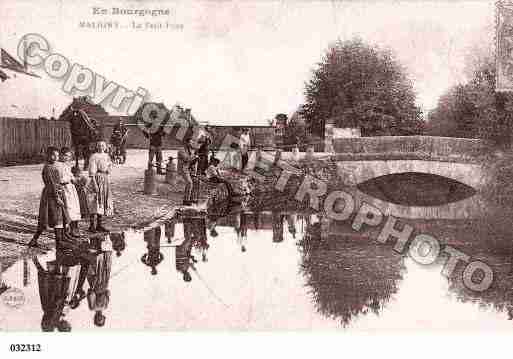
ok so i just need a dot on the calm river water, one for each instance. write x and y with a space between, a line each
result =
266 271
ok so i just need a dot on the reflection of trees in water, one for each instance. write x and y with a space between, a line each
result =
500 294
349 276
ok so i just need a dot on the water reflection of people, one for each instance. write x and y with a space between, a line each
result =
200 239
184 258
212 224
55 290
154 257
291 224
277 227
98 295
95 268
118 243
241 228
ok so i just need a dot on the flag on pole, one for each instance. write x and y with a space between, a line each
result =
504 47
9 62
3 76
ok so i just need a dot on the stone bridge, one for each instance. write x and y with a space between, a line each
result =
415 176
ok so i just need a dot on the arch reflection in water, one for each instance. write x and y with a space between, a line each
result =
348 276
416 189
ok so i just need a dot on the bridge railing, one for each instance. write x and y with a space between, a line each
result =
422 146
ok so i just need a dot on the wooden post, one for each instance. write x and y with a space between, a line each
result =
149 181
277 157
171 172
295 153
310 153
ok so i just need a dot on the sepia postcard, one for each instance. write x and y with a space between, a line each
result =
171 167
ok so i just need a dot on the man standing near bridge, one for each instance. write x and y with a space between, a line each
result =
244 145
155 148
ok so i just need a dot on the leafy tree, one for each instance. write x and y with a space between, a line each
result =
474 109
296 131
364 87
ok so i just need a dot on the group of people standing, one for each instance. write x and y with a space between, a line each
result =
194 162
68 196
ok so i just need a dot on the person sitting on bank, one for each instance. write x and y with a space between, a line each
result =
155 149
214 176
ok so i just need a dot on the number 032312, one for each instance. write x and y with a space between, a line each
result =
25 347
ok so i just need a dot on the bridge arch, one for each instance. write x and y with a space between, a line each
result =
361 160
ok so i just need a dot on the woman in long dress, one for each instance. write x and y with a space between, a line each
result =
100 196
52 208
69 190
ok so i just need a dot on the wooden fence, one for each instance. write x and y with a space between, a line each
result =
25 140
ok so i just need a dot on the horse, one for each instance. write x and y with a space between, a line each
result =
84 133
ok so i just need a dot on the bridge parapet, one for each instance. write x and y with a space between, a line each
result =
421 147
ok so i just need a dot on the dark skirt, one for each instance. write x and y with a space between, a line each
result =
50 213
82 199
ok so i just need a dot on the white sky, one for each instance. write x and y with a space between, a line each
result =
238 62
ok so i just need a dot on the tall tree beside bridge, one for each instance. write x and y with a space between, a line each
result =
362 86
473 109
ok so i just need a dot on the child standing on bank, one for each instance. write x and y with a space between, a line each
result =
70 192
99 192
80 182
